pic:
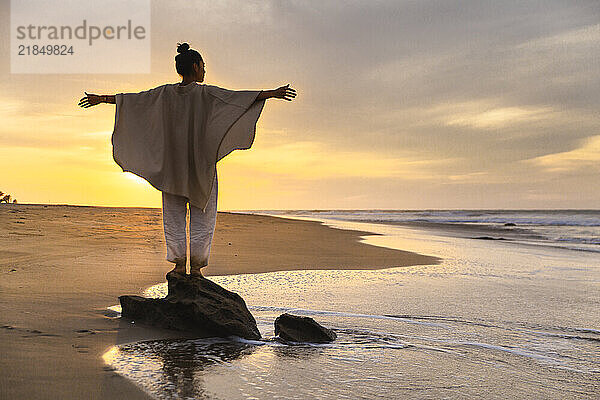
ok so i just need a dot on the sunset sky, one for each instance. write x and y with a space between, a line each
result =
401 105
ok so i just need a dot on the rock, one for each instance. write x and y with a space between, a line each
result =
293 328
510 224
488 238
194 304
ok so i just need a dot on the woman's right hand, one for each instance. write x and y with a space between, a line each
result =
284 92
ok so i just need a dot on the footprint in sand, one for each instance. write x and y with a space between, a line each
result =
37 333
40 333
91 332
80 348
30 332
83 332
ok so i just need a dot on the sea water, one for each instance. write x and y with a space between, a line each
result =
495 319
569 229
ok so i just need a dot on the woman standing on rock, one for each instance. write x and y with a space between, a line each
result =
173 136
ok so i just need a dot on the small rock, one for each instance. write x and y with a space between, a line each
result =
294 328
488 238
510 224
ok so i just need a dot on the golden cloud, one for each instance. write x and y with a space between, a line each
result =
314 160
586 156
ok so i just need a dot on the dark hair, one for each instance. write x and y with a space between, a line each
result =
186 58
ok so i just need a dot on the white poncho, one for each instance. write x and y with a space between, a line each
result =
173 135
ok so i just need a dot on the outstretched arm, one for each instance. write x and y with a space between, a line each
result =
283 92
93 99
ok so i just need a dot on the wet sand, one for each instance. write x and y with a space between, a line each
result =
62 266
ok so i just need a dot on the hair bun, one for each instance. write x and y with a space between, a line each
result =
181 47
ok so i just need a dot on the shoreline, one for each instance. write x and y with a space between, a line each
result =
521 234
63 265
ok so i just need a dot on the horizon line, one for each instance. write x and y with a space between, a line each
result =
314 209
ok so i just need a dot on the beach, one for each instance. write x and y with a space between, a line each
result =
63 266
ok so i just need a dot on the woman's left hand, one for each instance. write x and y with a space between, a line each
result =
90 100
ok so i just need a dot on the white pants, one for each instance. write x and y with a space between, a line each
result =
201 228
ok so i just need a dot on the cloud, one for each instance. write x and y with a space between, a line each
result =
500 117
587 35
391 93
308 160
585 157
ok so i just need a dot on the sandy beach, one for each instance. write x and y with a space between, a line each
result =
62 266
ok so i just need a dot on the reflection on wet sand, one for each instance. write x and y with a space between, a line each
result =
177 366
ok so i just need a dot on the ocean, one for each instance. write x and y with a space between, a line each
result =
569 229
510 312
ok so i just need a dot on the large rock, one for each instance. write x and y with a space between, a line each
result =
194 304
293 328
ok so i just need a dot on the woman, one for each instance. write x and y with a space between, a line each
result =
173 136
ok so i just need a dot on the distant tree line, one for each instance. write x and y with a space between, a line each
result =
6 198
